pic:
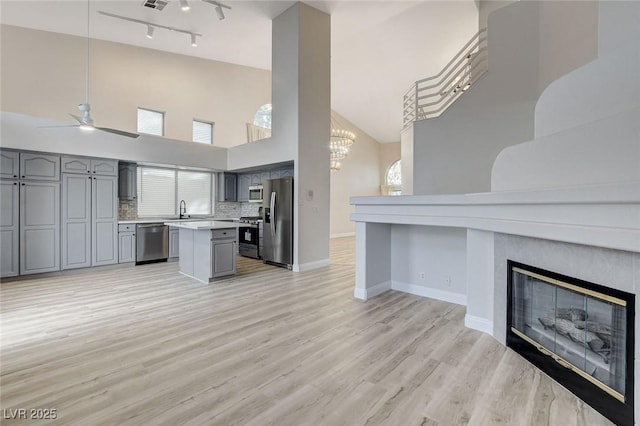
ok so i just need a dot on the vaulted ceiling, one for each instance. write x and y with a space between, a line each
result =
379 48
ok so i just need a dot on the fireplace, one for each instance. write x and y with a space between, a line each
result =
579 333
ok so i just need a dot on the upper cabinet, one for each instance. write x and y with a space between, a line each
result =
244 182
127 181
104 167
9 164
76 165
227 186
94 166
39 166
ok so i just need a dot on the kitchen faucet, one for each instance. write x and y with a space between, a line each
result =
183 209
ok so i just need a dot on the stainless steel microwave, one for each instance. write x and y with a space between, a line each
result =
255 194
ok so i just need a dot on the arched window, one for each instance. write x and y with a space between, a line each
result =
263 116
393 178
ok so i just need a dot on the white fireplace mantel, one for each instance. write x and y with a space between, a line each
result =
603 216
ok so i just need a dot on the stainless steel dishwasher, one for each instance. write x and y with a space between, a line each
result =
152 243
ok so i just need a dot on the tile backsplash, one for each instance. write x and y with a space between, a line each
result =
128 210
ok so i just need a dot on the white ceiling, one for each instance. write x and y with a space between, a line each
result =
379 48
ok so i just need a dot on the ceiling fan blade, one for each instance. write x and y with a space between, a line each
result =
55 127
118 132
78 119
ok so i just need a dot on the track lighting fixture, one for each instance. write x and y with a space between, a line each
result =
184 5
151 27
219 7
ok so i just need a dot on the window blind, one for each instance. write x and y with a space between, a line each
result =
195 189
150 122
202 132
156 192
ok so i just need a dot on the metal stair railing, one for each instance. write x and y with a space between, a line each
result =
430 97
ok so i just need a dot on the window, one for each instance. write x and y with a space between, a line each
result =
394 178
195 189
202 132
160 192
156 192
150 122
262 117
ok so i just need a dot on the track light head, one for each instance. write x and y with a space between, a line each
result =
184 5
194 41
150 31
220 12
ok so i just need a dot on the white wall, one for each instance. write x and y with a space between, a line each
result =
455 152
439 252
43 75
359 175
389 154
22 132
586 126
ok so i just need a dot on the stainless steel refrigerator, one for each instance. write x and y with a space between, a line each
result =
277 203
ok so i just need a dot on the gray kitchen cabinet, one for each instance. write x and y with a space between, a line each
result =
94 166
78 165
287 172
223 252
223 257
174 243
9 228
264 176
227 186
104 220
104 167
9 164
76 219
274 174
256 179
244 182
39 166
127 181
39 226
126 247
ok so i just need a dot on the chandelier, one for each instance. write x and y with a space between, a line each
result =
341 141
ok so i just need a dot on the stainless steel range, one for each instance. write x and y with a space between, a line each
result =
250 233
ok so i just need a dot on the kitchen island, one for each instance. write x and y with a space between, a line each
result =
207 249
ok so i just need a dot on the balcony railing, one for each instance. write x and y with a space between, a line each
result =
430 97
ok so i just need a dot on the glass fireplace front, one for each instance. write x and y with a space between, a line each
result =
579 333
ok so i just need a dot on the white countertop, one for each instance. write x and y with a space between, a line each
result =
204 224
167 221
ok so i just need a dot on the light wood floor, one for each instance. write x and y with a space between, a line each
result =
145 345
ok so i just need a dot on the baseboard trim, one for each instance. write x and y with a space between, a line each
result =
346 234
418 290
371 292
301 267
479 323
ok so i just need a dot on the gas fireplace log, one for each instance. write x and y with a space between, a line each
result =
572 314
596 327
569 329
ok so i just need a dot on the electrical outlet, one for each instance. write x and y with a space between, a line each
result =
423 276
447 280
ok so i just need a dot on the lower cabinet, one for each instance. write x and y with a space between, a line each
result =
9 228
208 254
76 221
223 257
104 220
174 243
127 247
39 227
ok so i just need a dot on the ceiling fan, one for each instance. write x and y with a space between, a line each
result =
85 122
